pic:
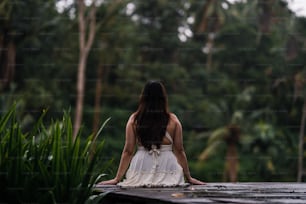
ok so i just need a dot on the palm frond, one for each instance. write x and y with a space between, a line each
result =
211 149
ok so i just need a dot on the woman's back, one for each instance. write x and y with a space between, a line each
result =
156 133
170 129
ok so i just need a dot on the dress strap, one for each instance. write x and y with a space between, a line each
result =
169 137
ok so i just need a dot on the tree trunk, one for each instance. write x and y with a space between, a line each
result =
85 45
7 62
231 163
97 108
266 15
301 144
210 45
80 92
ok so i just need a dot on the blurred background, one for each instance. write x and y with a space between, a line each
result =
234 72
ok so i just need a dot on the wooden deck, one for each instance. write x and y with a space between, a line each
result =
245 193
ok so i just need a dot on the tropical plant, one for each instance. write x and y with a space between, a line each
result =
230 133
45 165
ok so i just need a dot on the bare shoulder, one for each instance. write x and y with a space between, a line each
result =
174 121
131 119
174 118
175 128
132 116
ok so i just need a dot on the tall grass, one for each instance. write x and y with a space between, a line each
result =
46 164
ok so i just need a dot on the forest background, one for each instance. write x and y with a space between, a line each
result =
234 72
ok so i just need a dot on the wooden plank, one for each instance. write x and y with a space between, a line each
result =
210 193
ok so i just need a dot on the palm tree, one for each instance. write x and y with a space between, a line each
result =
211 17
230 134
269 12
14 32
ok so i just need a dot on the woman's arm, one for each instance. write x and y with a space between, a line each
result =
180 152
126 155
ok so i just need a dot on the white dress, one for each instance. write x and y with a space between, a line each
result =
154 168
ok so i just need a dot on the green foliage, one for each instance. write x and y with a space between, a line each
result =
46 164
255 77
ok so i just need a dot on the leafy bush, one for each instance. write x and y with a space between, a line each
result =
46 165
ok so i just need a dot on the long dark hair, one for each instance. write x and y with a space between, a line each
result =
152 115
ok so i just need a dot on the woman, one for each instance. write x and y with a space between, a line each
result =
160 159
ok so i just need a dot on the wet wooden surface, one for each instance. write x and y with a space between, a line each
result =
210 193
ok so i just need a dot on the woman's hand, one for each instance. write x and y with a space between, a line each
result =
113 181
195 181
